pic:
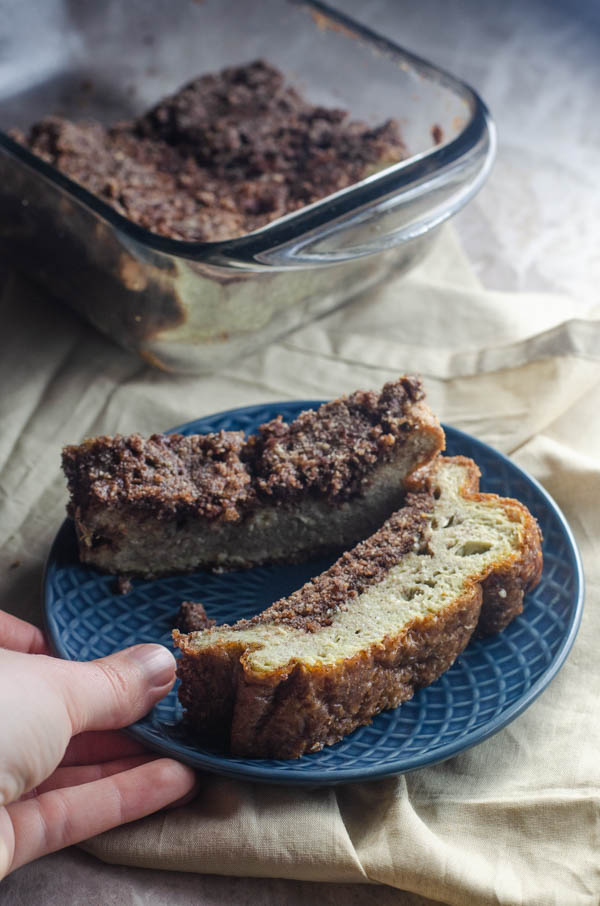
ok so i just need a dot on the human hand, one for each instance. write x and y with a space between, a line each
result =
65 774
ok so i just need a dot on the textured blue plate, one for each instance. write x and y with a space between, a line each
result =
488 686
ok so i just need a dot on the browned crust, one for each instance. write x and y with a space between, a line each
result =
504 589
287 715
313 708
299 709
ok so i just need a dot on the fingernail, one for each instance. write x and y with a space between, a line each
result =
156 661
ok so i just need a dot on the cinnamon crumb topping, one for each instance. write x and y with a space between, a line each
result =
223 156
330 451
165 475
326 453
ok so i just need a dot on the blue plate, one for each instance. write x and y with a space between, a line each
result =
492 682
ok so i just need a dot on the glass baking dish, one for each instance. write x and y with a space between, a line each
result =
193 306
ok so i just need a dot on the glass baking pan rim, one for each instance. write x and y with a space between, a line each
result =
249 250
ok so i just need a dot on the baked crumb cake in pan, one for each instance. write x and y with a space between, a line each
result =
226 154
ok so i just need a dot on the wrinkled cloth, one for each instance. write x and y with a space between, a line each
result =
515 820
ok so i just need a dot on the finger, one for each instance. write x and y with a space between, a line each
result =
87 773
98 746
78 774
17 635
62 817
117 690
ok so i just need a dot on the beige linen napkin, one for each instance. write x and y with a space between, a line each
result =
515 820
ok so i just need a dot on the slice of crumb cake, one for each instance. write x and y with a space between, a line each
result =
387 618
172 503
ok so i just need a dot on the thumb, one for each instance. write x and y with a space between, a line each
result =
117 690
